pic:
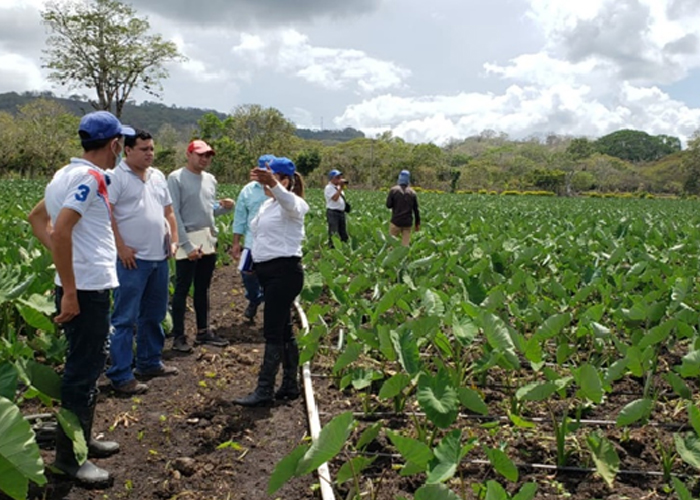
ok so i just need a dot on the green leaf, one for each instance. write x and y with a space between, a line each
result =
688 447
499 338
8 380
588 380
680 489
71 426
353 468
494 491
349 355
658 334
521 422
678 385
35 319
694 417
411 450
433 304
502 464
527 492
396 256
438 399
44 379
393 386
407 350
368 435
286 468
465 330
20 461
329 443
435 492
607 463
639 409
537 391
553 326
472 401
447 457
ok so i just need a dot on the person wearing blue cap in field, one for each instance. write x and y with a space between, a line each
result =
247 205
278 231
403 202
336 206
74 222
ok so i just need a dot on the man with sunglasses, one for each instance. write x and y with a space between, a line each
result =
74 222
193 192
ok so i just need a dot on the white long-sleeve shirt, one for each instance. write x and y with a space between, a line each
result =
278 229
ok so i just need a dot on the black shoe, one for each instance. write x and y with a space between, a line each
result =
180 344
256 398
289 389
251 311
211 339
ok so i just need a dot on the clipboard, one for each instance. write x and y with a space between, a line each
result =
200 239
245 263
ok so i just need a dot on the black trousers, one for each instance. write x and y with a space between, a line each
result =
281 279
336 224
186 271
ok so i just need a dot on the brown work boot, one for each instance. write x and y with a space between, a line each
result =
130 388
160 371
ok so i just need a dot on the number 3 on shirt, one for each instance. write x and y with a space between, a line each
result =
83 192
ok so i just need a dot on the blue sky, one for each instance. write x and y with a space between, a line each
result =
426 71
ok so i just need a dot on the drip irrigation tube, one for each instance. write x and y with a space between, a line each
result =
556 468
324 475
589 422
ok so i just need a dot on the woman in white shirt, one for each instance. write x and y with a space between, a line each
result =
278 231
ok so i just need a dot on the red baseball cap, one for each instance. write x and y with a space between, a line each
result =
200 147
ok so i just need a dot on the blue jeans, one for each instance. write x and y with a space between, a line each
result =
87 348
253 291
140 305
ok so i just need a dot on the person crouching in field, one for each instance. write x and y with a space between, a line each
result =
74 222
403 202
278 231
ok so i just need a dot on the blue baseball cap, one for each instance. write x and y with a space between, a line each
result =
100 125
334 173
283 166
404 178
265 160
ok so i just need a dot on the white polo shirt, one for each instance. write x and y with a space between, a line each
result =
77 187
329 192
139 210
278 229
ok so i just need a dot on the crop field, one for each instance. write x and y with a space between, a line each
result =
521 347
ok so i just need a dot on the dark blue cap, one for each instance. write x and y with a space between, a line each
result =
283 166
100 125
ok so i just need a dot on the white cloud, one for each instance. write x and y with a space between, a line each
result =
291 52
18 74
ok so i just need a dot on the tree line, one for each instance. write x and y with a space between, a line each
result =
41 137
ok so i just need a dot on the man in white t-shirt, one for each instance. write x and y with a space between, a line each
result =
144 224
73 221
335 206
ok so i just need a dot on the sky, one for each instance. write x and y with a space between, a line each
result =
428 71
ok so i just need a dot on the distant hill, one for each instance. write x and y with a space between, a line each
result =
152 116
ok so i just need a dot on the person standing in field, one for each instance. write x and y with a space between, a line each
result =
278 231
247 205
335 206
193 192
403 202
144 221
74 222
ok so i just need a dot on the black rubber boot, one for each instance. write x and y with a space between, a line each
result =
263 393
290 372
88 474
96 448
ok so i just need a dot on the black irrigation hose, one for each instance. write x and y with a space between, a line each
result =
587 422
557 468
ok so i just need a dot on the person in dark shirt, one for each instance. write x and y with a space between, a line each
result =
403 202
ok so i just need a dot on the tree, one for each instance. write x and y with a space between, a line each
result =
637 146
690 165
104 46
